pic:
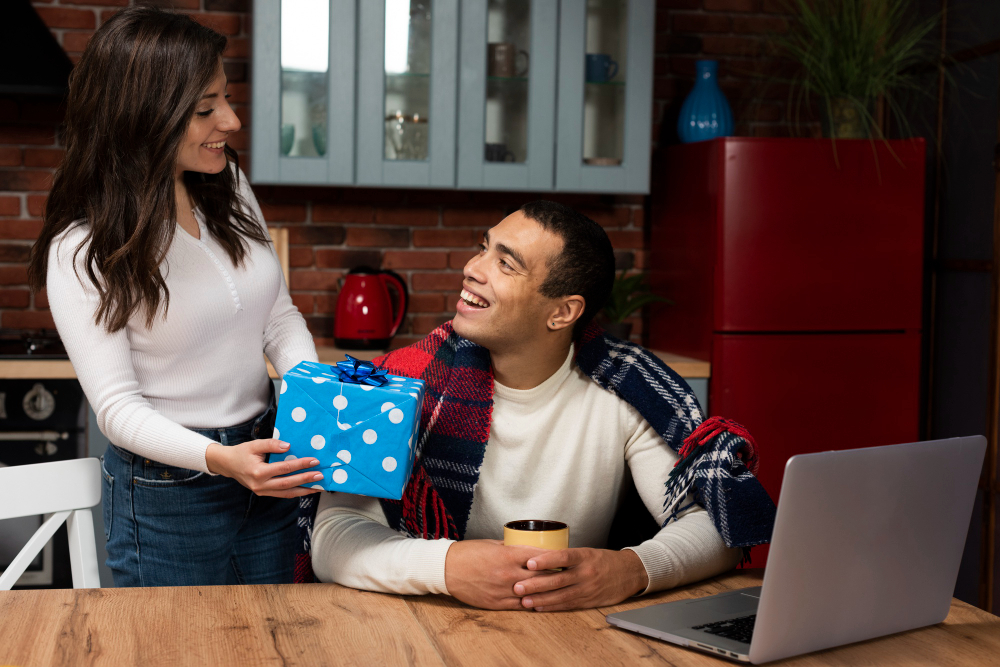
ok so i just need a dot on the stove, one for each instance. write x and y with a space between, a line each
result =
40 420
31 344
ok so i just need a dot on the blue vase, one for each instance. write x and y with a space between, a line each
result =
705 113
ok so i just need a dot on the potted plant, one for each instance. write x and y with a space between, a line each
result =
852 53
628 294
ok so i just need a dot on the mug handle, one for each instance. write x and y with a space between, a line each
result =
613 69
527 63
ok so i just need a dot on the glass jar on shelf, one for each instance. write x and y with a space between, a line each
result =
408 35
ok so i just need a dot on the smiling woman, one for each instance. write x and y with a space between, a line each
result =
167 294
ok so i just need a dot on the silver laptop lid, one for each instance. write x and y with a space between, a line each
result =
867 542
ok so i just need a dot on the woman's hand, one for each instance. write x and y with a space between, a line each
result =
246 464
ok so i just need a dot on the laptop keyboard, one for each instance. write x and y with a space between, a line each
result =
737 629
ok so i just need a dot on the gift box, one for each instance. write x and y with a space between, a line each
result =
359 422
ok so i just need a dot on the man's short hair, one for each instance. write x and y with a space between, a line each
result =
586 265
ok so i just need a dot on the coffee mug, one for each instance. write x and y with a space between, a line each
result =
501 57
600 68
536 533
498 153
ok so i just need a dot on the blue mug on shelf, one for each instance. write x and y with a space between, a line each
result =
600 68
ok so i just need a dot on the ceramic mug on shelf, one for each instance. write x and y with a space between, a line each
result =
501 59
287 138
600 68
499 153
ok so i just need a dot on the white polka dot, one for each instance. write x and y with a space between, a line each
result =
277 435
395 416
340 402
319 380
343 427
284 387
396 379
344 456
291 457
340 475
317 486
395 385
388 464
415 395
335 464
366 387
298 414
318 442
388 406
369 436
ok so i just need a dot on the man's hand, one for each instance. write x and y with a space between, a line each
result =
482 573
246 464
590 578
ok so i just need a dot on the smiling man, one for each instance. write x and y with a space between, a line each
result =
531 414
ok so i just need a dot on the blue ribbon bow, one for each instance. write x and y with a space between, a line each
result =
356 371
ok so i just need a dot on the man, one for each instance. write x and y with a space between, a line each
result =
560 445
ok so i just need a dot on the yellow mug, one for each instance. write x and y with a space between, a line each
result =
536 533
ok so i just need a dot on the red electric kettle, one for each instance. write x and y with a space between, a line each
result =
364 319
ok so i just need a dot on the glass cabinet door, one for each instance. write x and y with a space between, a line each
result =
406 92
605 95
303 125
507 87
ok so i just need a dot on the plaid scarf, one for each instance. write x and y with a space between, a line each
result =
718 457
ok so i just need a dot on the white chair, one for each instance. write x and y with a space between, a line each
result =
68 489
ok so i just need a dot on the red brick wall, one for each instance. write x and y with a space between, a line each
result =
424 235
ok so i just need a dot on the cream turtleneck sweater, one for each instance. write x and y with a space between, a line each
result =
564 451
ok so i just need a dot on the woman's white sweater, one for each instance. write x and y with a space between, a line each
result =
201 364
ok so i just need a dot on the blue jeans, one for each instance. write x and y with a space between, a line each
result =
169 526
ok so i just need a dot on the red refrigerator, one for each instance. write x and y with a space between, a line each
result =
797 273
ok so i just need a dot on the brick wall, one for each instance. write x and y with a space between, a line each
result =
424 235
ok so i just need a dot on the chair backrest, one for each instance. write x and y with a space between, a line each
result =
279 236
43 488
66 490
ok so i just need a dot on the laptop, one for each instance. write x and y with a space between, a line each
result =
866 543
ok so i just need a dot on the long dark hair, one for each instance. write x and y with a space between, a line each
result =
131 98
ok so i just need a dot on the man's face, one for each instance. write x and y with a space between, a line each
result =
500 306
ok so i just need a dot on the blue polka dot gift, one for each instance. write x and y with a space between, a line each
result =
358 421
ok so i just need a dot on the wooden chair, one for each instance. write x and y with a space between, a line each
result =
279 236
67 489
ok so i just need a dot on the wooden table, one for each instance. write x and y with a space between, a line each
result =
325 624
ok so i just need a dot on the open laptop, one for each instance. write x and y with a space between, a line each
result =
867 542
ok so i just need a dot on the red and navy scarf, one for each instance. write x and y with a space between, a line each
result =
717 463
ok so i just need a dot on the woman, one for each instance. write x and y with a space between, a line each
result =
166 291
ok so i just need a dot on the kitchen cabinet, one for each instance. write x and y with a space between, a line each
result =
524 95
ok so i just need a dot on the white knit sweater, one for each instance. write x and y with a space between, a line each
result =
564 451
202 365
